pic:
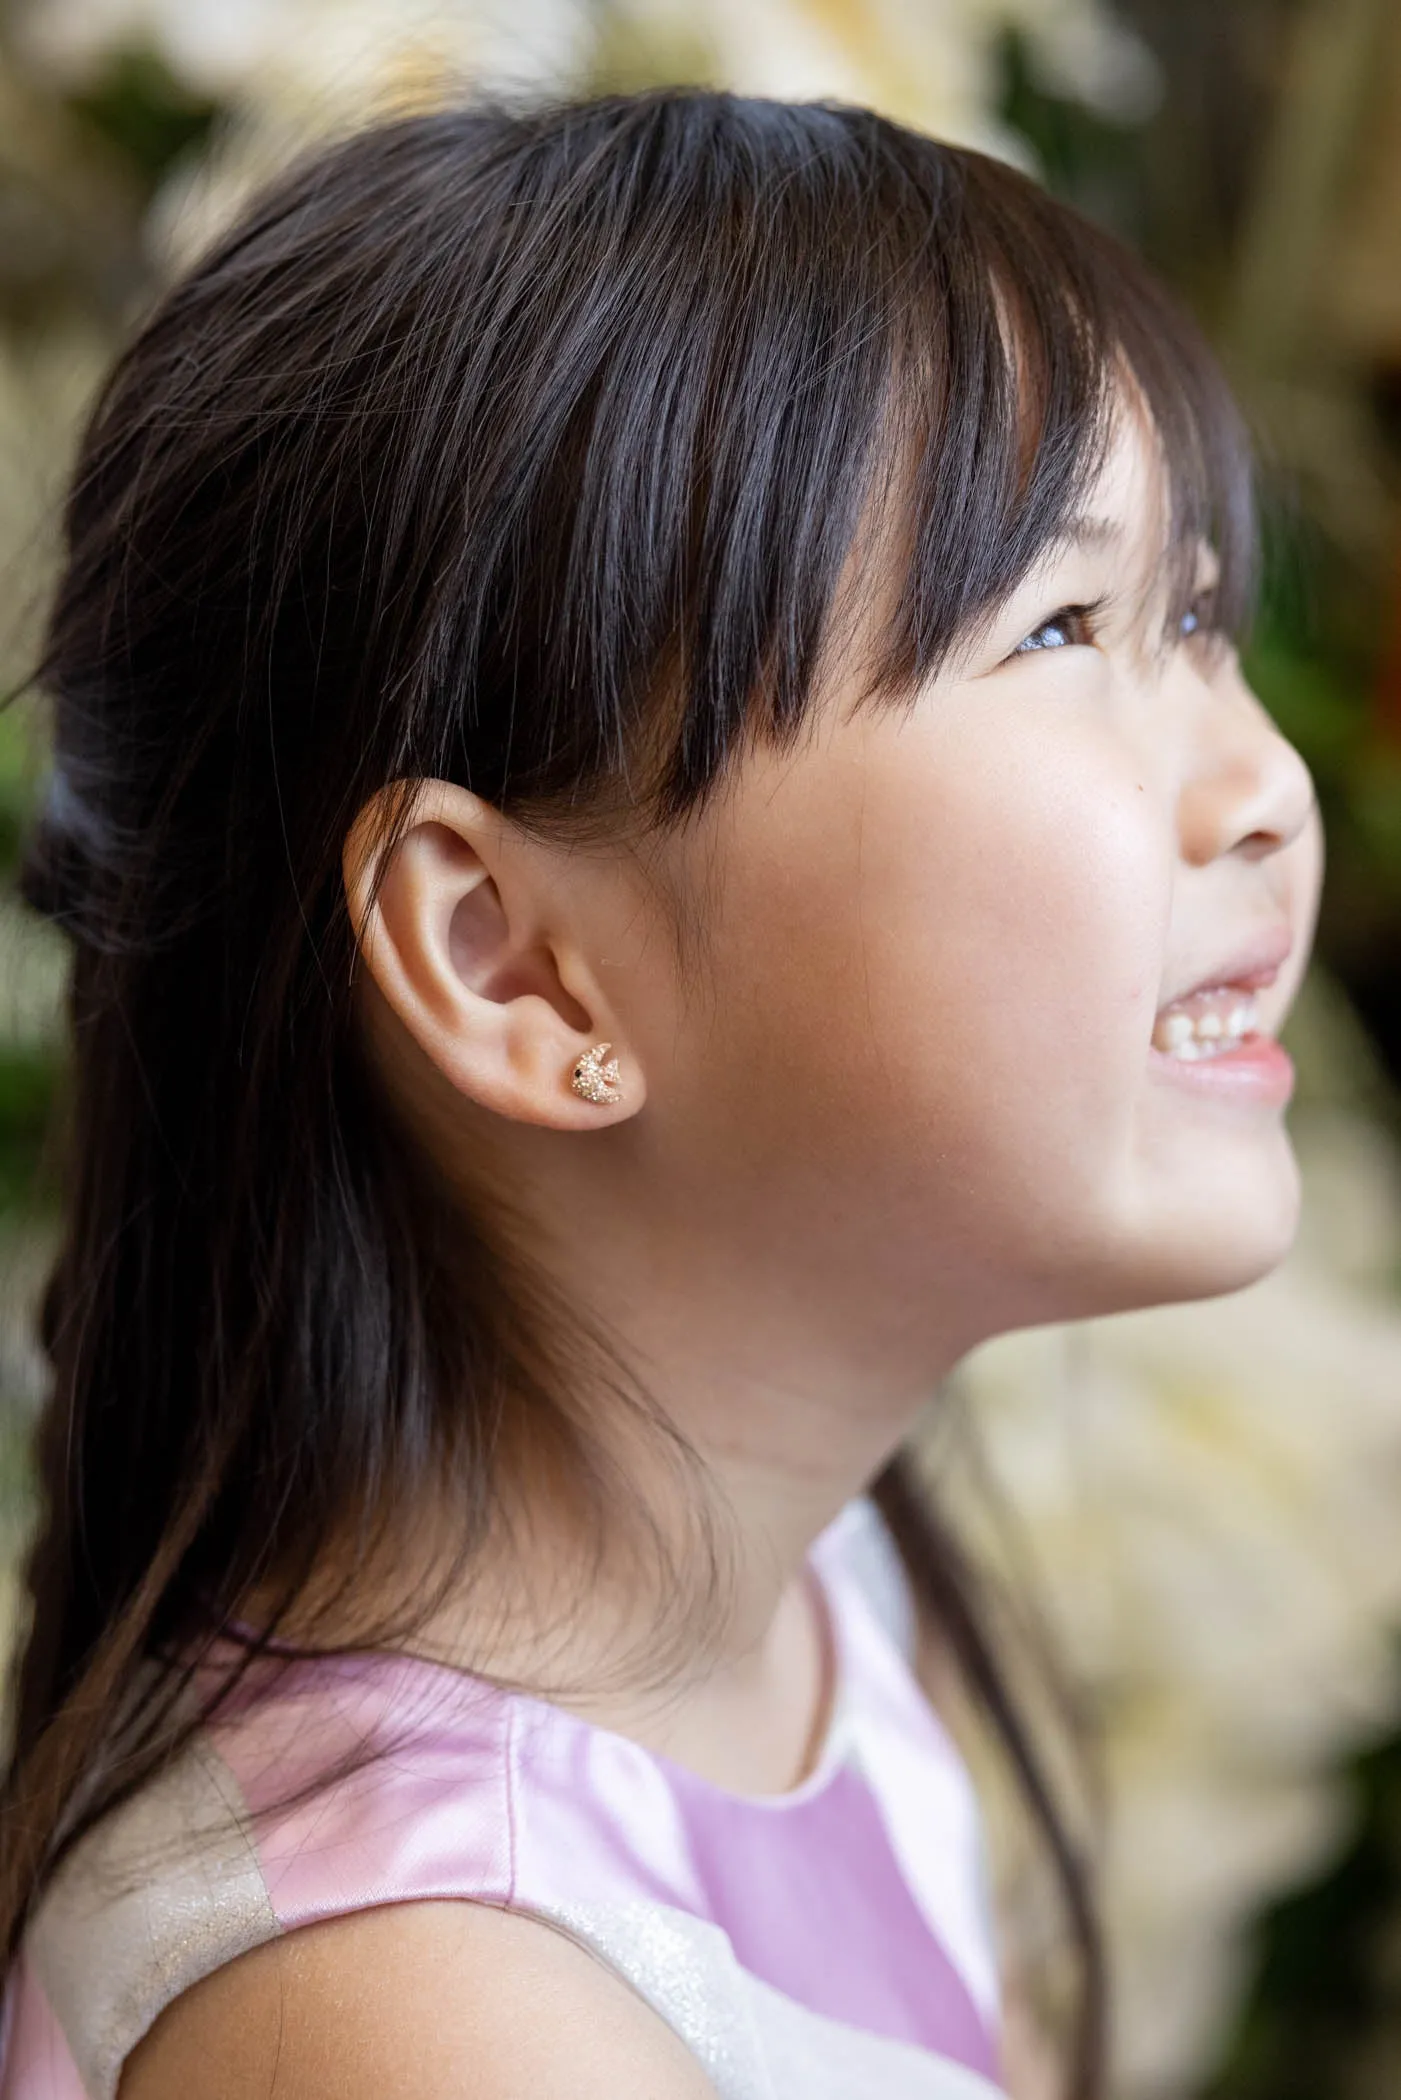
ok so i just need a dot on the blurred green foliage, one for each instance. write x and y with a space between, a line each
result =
16 780
1084 157
28 1062
27 1094
138 107
1323 2016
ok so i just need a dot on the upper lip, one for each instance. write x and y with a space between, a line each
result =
1255 964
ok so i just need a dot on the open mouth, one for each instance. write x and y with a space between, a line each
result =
1213 1041
1209 1023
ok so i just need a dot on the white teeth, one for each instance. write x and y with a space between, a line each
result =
1206 1025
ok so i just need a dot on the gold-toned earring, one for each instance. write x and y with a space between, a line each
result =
594 1079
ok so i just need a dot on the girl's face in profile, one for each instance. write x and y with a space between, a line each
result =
984 1033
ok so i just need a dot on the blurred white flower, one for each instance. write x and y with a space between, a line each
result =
934 66
1081 53
285 70
325 51
1211 1500
929 62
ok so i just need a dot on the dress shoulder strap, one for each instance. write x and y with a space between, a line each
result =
309 1798
165 1890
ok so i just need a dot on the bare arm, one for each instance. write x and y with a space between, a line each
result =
420 2001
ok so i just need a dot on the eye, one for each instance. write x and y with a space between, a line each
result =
1070 628
1200 616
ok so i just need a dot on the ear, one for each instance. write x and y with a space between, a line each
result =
474 936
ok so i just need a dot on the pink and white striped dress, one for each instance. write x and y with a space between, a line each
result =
830 1943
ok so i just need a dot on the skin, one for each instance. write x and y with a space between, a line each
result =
901 1100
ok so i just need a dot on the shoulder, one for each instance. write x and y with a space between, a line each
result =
354 1816
434 2000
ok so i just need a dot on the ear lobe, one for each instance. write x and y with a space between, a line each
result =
455 937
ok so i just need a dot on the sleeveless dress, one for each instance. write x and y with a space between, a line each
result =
830 1943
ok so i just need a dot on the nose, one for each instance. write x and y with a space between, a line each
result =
1247 790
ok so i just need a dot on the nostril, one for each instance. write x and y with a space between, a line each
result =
1258 845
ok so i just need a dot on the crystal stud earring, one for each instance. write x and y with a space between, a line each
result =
594 1079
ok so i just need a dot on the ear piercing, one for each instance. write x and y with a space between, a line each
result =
594 1079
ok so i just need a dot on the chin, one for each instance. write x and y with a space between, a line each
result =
1208 1250
1233 1224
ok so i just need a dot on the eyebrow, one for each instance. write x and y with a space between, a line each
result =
1089 532
1085 531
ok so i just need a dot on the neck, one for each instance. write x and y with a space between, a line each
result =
731 1676
789 1375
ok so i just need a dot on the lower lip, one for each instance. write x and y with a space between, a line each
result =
1257 1072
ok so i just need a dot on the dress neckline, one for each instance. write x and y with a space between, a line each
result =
826 1750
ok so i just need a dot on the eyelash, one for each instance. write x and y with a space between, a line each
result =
1070 617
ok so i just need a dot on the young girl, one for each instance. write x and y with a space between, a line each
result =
661 832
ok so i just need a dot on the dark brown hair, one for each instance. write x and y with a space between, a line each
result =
481 431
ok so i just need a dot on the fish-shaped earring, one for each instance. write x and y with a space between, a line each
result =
594 1079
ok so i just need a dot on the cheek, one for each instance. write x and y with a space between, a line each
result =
958 943
1021 951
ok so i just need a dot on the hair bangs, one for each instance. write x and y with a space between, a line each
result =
1026 330
881 336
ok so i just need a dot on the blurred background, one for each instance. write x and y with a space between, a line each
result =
1208 1500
